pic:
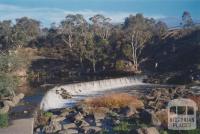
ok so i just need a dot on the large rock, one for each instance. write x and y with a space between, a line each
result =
69 125
91 129
11 103
129 111
78 117
58 119
150 130
149 117
69 131
4 109
53 127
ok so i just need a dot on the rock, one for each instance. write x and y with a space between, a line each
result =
116 122
72 131
99 116
69 125
84 124
128 111
15 100
4 109
91 129
8 103
78 116
38 131
53 127
64 94
69 131
58 119
150 130
63 132
149 117
64 113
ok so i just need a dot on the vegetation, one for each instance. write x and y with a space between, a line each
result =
114 100
3 120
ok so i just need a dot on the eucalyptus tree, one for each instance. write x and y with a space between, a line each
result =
69 28
187 20
101 26
25 30
138 31
6 34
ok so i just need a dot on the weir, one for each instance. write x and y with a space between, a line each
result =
78 91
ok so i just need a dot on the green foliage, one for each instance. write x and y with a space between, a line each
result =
123 127
8 83
3 120
120 65
9 63
48 114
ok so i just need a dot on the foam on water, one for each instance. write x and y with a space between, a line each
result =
78 91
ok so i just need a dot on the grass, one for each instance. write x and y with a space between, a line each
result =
48 114
3 120
124 127
114 101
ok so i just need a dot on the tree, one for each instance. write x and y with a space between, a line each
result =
6 34
187 20
69 27
160 29
24 31
101 25
138 31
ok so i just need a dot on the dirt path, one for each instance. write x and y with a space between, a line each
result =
20 126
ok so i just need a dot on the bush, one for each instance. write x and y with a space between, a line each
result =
48 114
120 65
8 83
3 120
123 127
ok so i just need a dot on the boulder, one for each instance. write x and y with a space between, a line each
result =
150 130
69 125
58 119
149 117
128 111
78 116
4 109
53 127
84 124
69 131
91 129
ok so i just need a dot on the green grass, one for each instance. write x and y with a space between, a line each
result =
123 127
48 114
3 120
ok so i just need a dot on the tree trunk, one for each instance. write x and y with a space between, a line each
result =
134 53
94 68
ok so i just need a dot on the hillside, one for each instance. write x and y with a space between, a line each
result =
177 56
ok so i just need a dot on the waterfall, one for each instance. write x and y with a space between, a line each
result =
78 91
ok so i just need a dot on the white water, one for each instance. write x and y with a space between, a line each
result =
78 91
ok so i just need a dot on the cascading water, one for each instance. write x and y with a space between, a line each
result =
78 91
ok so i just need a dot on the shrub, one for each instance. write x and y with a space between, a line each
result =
122 128
120 65
114 100
48 114
3 120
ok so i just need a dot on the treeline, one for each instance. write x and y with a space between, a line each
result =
95 45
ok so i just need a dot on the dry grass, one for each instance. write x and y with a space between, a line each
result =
114 100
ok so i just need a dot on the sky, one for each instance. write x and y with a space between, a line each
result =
48 11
